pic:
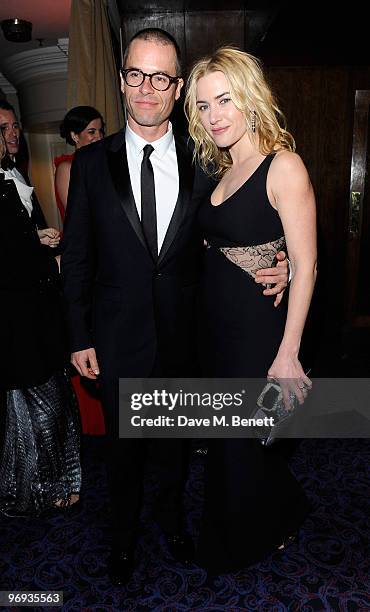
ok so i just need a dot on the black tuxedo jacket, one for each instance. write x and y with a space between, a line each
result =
31 324
117 299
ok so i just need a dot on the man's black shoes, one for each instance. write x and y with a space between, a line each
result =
120 566
181 547
121 562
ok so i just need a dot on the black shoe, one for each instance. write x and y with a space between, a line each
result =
120 566
181 547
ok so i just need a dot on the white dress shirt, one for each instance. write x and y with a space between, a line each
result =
24 191
166 175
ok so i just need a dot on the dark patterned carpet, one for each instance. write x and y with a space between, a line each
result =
328 569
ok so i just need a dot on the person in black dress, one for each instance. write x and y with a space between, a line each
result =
39 452
263 201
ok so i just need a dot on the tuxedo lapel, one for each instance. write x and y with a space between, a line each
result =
118 168
186 179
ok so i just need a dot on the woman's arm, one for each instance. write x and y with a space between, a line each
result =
292 195
62 176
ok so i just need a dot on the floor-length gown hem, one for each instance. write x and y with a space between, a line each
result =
40 463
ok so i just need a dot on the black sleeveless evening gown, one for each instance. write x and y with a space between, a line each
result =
252 501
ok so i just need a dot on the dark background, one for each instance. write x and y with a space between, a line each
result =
316 57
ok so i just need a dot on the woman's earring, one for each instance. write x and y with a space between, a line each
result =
253 122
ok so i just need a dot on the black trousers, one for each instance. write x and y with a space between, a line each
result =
127 460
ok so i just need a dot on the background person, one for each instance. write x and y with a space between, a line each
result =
81 126
11 130
39 461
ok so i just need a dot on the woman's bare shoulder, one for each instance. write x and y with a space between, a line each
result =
287 161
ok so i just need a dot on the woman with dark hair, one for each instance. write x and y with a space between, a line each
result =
40 454
81 126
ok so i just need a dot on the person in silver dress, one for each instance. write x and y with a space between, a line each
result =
39 421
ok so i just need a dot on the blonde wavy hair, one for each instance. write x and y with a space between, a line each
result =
250 93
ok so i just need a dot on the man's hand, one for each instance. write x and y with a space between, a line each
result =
86 363
49 236
278 276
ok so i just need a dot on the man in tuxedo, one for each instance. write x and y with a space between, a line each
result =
11 130
131 262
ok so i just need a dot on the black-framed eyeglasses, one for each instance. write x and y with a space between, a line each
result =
158 80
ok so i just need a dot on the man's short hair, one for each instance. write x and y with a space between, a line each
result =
4 105
156 35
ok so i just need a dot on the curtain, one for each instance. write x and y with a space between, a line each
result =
92 73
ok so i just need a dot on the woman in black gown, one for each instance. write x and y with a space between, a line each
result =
39 446
263 200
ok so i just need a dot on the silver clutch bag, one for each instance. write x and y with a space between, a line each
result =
270 403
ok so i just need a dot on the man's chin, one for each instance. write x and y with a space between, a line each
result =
12 150
151 121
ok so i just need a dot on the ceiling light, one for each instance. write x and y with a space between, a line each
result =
17 30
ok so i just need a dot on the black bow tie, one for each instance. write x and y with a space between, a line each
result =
7 163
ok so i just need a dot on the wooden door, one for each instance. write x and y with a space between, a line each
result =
357 310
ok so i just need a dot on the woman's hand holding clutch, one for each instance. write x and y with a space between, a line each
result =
287 370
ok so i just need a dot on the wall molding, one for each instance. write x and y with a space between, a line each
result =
28 65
